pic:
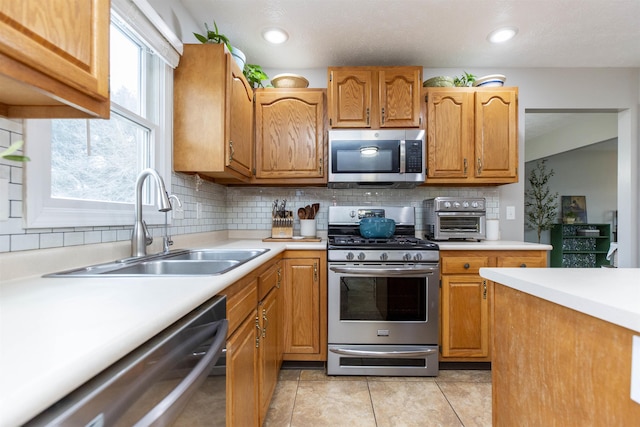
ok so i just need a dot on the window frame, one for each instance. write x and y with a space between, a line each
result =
43 211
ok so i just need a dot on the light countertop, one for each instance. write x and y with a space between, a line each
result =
609 294
57 333
492 245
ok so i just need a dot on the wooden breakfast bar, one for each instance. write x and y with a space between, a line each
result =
562 342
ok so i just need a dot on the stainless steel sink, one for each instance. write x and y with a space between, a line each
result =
198 262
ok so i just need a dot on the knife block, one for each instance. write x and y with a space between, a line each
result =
282 228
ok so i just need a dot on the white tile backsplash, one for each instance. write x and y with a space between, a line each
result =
235 208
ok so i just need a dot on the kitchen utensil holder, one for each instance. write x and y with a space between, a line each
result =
282 228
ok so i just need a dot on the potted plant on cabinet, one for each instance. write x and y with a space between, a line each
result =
540 204
214 36
255 75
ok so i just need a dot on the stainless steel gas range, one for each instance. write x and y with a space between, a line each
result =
382 296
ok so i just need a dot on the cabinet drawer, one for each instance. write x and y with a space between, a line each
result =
463 265
268 280
241 304
523 262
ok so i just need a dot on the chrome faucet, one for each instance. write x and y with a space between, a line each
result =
166 241
140 237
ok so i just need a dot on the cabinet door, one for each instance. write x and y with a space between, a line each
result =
270 348
465 316
399 96
54 58
496 134
242 379
290 133
350 95
303 318
239 122
449 133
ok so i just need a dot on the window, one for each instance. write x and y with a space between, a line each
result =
88 176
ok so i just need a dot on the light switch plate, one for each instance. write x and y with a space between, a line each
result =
635 369
511 212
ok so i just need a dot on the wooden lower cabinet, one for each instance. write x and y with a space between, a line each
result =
254 344
242 381
305 302
466 298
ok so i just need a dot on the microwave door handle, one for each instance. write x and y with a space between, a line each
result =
384 271
403 155
382 354
169 407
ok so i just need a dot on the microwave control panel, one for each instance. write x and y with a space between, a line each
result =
414 157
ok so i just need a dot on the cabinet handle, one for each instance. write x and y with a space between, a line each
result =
319 166
466 266
279 281
266 323
367 116
231 151
479 166
315 271
484 289
259 332
466 165
523 265
382 115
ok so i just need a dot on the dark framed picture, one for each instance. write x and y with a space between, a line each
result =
574 209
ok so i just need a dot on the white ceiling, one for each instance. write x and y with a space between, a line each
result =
431 33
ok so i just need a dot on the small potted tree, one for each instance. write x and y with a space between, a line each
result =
540 203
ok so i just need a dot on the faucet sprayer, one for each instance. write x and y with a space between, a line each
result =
140 237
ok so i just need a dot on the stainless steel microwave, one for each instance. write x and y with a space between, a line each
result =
385 158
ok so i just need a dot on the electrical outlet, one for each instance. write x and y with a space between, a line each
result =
178 212
4 199
511 212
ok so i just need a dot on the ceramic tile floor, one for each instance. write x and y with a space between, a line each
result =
310 398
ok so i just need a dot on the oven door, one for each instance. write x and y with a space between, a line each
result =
383 303
383 319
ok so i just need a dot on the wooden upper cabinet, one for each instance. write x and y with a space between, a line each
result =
449 130
400 97
54 59
472 135
374 97
213 115
290 136
350 97
496 133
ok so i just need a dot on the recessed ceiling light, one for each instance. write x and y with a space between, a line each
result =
502 34
275 35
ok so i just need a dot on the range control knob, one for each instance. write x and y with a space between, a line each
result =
456 204
447 204
474 204
417 257
384 256
406 257
465 204
361 256
350 256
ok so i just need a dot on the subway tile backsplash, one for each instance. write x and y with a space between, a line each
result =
207 206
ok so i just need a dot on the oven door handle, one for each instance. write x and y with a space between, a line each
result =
383 354
385 271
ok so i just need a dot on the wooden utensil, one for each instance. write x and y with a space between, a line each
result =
307 210
315 208
302 213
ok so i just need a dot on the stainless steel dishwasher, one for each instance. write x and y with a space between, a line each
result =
176 378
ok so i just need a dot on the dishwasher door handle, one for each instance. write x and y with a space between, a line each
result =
169 407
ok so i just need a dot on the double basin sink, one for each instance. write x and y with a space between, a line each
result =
199 262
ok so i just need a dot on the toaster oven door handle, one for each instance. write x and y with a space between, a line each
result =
385 271
382 354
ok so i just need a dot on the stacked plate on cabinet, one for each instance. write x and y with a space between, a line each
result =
491 80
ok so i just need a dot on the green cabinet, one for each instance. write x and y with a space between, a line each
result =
580 245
